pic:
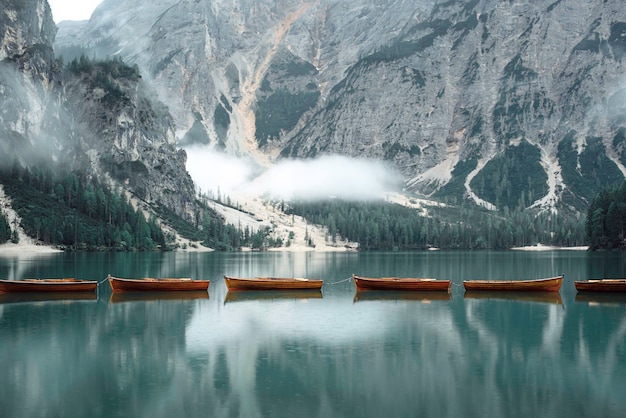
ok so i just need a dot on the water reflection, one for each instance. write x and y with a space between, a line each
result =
340 355
366 295
255 295
155 296
63 297
543 297
599 298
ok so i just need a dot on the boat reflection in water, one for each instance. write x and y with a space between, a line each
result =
544 297
601 298
157 295
48 297
254 295
399 295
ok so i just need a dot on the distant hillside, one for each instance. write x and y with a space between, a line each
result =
503 103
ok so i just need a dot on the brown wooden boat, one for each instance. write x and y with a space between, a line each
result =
400 283
48 285
601 285
272 283
552 284
119 285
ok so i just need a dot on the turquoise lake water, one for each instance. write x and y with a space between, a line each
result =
337 353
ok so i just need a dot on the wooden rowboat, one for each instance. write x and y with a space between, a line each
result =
400 283
48 285
552 284
601 285
271 283
119 285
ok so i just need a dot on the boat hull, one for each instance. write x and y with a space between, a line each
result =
119 285
602 285
395 283
552 284
270 283
47 285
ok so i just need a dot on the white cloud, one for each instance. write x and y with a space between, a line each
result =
320 178
213 171
324 177
72 9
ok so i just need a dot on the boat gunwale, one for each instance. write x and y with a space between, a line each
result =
548 284
601 285
148 284
47 285
401 283
271 283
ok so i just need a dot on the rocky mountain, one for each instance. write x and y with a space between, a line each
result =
96 117
506 103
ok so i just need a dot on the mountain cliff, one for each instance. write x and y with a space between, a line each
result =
508 104
97 118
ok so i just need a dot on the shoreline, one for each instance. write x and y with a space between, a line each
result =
10 249
541 247
21 248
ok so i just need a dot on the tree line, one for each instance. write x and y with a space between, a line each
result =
387 226
75 211
606 219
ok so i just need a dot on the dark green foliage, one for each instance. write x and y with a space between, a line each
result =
67 209
385 226
464 27
606 219
589 171
456 186
619 144
221 120
516 71
196 134
281 111
395 148
106 75
405 48
296 68
5 229
214 233
617 39
513 179
166 61
553 5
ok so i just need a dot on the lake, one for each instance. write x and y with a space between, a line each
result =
334 354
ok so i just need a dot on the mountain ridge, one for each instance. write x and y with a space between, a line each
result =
427 87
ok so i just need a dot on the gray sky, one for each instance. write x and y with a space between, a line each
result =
72 9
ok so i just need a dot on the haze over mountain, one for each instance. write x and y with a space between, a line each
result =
507 103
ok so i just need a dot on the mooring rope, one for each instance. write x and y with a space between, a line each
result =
341 281
105 279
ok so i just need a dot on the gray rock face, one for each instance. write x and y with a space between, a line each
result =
106 124
458 95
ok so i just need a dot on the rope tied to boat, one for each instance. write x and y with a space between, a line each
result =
105 279
341 281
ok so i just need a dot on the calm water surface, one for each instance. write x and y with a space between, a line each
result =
329 354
